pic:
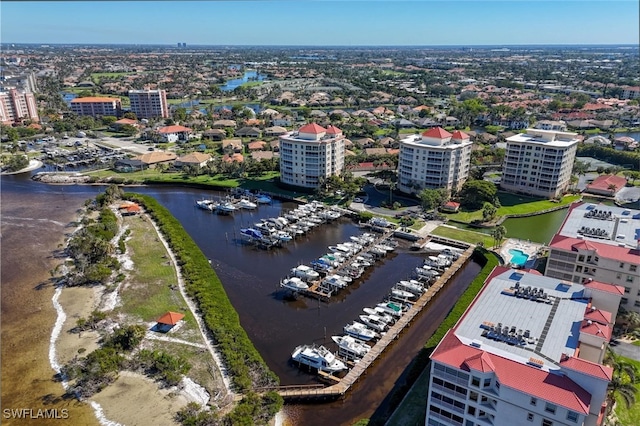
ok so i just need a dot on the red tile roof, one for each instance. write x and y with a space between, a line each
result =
333 130
458 135
541 384
173 129
97 99
595 329
602 183
437 132
480 362
600 371
312 128
596 315
126 121
622 254
170 318
608 288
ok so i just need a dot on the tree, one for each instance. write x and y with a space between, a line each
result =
17 162
130 115
475 193
432 198
498 235
129 130
488 212
180 114
623 380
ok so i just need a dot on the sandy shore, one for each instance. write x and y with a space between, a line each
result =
77 302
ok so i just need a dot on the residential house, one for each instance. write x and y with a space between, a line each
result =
198 159
607 185
232 145
214 134
233 158
117 125
248 132
263 155
275 145
145 161
221 124
256 145
275 131
174 133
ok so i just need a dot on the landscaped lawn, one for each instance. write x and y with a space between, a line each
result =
512 204
630 416
464 235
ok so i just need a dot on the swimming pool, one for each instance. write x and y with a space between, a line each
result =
518 257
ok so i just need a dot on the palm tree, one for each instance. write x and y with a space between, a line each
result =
622 386
499 234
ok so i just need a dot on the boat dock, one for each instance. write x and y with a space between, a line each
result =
342 385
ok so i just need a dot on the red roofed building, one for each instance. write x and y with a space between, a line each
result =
607 185
96 106
167 321
518 359
310 155
174 133
599 246
435 159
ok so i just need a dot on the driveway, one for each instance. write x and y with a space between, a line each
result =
627 350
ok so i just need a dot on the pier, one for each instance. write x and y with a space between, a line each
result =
342 385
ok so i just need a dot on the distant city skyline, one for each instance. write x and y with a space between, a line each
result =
323 23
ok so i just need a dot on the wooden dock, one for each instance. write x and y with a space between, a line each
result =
343 385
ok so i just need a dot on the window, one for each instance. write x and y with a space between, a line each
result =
627 290
633 268
581 258
487 383
572 416
475 381
550 408
547 422
497 384
468 423
471 410
629 278
618 276
624 301
534 401
578 268
530 417
622 264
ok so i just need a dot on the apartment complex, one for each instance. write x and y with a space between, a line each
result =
311 154
17 105
149 103
539 162
96 106
528 350
599 243
435 159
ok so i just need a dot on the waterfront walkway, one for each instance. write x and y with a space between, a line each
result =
342 386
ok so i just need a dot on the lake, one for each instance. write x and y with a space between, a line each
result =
249 75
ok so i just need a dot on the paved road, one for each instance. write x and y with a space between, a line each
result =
125 145
627 350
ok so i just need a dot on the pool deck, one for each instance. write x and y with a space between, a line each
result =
523 245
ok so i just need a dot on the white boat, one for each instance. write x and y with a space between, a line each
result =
374 322
283 236
294 283
363 261
386 318
251 234
391 308
265 227
205 205
379 222
318 357
402 294
263 199
335 281
385 247
246 204
378 251
305 272
412 286
350 347
225 208
360 331
427 272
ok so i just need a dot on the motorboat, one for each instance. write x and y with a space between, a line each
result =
360 331
363 261
318 357
379 222
350 347
413 286
386 318
427 272
294 283
378 251
283 236
335 281
205 205
374 322
225 208
385 247
251 234
402 294
246 204
318 265
390 308
263 199
265 227
305 272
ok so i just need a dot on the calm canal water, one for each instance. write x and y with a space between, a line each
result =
276 325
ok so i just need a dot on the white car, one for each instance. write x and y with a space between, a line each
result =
358 200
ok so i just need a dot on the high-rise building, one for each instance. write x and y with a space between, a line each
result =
149 103
311 154
435 159
96 106
16 105
539 162
598 243
528 350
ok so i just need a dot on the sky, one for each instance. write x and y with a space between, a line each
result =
322 22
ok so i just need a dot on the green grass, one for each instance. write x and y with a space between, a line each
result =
98 76
636 343
631 415
149 293
464 235
411 410
418 224
512 204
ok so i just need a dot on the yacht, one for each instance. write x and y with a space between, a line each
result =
386 318
205 205
251 234
318 357
263 199
374 322
335 281
360 331
350 347
305 272
413 286
402 294
225 208
246 204
390 308
294 283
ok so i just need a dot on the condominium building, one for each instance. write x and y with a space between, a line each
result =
601 244
435 159
310 155
16 105
528 350
539 162
96 106
149 103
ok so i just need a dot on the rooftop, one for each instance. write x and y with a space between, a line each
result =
549 138
94 99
